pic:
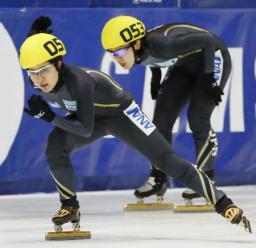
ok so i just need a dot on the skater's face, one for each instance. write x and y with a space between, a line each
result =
44 76
124 56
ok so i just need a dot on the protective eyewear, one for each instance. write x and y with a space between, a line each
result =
42 71
120 52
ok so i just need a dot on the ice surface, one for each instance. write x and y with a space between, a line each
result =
24 220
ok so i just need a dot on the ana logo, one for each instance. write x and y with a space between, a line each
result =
218 66
11 94
134 113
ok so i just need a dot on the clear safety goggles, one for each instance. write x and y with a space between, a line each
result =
41 71
120 52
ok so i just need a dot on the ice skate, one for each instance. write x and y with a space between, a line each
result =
155 185
65 215
234 215
189 195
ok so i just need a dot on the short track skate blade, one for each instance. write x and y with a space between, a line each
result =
148 206
246 224
194 208
68 235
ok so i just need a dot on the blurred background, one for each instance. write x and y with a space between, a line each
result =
109 163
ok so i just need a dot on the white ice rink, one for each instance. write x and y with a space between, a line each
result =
26 218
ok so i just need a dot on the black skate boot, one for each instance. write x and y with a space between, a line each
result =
189 194
65 215
155 185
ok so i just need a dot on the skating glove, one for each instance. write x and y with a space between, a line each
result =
40 25
211 89
39 109
155 81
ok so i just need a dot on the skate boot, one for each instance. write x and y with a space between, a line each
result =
155 185
234 215
189 194
65 215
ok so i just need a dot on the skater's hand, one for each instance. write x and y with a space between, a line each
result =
211 89
39 109
40 25
155 81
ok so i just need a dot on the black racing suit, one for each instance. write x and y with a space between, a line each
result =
188 52
99 106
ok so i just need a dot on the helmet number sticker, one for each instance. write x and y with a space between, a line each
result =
133 31
53 46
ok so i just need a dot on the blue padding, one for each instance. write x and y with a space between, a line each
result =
128 3
45 3
217 4
134 3
87 3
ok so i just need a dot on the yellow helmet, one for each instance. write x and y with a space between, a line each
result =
40 48
121 30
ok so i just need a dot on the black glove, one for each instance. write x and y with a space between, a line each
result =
211 89
40 25
39 109
155 81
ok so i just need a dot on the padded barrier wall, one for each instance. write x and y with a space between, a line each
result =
109 163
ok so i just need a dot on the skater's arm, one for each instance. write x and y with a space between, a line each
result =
182 45
83 125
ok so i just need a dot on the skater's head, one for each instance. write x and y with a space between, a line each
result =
41 55
121 37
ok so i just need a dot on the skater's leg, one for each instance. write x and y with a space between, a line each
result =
150 143
173 95
199 119
158 151
197 180
60 145
205 139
